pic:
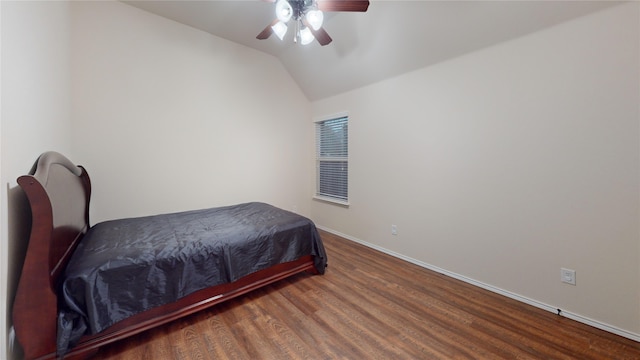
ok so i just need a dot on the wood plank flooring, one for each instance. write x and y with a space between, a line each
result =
370 305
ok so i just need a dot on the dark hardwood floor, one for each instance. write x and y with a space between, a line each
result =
370 305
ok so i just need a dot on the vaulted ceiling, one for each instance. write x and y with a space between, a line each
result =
391 38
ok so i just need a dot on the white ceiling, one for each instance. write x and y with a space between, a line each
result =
391 38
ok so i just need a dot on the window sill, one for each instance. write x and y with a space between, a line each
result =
331 200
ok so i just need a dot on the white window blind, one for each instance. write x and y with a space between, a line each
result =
332 154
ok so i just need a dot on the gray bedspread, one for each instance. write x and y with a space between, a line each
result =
126 266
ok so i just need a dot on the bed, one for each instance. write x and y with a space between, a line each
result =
83 286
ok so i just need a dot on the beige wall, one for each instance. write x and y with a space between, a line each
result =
168 118
504 165
35 117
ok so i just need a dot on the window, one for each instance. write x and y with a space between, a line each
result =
332 160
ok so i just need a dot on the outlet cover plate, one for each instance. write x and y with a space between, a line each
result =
568 276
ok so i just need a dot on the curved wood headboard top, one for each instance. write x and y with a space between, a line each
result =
58 192
62 181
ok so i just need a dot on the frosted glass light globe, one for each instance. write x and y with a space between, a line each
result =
315 18
306 37
284 11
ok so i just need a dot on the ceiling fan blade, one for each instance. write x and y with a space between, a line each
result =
321 35
264 34
343 5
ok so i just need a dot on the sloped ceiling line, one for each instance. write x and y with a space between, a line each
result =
391 38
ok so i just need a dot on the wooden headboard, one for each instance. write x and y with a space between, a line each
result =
58 192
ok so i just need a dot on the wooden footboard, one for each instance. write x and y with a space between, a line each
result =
59 192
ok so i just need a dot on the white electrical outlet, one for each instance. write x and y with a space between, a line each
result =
568 276
394 230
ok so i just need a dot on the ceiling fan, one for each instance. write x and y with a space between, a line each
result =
307 17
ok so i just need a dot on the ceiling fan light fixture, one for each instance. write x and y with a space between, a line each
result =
280 29
306 37
315 18
284 11
308 16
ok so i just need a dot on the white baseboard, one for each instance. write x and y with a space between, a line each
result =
526 300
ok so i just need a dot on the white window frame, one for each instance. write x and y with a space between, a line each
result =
318 159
